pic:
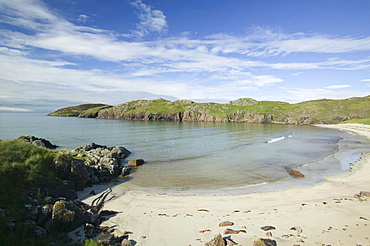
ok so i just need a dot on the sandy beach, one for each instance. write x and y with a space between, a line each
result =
327 213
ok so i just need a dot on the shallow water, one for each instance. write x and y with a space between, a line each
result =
202 157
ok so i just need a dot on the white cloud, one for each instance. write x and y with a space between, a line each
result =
366 80
83 18
9 109
151 20
338 86
217 66
303 94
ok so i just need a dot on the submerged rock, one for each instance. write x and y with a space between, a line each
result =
294 173
135 163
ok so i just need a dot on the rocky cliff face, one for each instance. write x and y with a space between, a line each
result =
188 115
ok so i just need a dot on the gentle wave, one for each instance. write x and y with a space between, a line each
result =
279 139
275 140
243 187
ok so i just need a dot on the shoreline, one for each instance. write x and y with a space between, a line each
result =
326 212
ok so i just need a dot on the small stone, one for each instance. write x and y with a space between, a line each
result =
226 223
268 234
365 193
135 163
295 173
231 231
203 231
296 228
126 233
267 228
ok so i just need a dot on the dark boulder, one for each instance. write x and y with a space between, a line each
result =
38 141
126 170
51 190
79 174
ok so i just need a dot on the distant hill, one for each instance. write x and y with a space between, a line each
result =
83 110
324 111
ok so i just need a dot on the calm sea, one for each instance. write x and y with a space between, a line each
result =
202 157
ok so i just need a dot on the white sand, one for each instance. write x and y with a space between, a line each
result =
327 212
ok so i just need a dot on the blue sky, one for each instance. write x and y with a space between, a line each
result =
57 53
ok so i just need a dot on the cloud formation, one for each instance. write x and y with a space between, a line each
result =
151 20
216 66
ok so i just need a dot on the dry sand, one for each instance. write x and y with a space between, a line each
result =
327 212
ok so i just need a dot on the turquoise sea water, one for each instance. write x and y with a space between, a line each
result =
203 157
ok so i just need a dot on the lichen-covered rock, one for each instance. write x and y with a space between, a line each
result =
126 242
265 242
62 217
103 163
216 241
104 238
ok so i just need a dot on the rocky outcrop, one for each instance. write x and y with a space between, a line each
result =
244 102
91 164
103 163
38 141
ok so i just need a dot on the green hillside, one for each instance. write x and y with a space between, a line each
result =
325 111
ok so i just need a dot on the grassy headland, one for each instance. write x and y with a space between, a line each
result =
83 110
324 111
